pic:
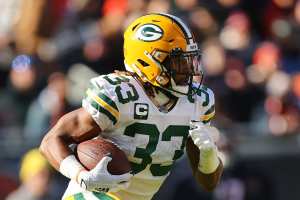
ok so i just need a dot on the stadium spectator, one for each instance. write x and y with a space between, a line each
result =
250 52
35 176
44 111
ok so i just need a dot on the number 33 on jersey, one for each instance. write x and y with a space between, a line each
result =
151 139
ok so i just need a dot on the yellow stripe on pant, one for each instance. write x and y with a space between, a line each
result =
78 196
100 196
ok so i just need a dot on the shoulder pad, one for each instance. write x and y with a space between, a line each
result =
101 102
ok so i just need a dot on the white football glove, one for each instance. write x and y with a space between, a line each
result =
204 137
100 180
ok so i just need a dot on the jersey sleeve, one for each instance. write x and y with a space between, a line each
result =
205 105
100 102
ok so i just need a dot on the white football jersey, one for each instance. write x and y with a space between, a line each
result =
151 139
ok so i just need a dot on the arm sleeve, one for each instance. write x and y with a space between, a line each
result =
100 102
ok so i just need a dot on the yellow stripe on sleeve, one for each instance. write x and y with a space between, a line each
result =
207 117
105 105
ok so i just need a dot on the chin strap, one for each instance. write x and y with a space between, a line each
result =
170 92
178 90
165 101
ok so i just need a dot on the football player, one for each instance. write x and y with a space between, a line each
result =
152 112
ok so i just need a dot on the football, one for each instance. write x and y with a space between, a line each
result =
90 152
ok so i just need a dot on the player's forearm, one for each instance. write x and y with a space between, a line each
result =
74 127
209 181
57 151
54 147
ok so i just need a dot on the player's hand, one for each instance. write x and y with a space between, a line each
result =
100 180
204 137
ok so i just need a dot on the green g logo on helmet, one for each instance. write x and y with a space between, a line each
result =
149 33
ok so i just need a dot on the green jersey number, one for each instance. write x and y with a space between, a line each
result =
145 153
115 80
131 94
201 91
125 95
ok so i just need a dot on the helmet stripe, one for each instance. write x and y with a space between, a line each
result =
186 31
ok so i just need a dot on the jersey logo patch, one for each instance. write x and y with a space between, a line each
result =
141 111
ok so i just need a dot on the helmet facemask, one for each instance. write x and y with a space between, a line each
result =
178 70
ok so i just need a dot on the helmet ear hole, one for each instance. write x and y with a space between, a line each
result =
143 63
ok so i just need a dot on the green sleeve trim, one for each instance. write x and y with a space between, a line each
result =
210 110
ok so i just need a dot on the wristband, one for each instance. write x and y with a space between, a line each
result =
209 161
70 167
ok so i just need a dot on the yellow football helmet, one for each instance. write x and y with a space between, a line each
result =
161 50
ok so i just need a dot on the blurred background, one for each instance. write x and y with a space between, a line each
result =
49 49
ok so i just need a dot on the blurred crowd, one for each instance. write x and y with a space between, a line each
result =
49 49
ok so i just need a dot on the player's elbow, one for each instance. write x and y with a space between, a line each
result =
44 145
50 138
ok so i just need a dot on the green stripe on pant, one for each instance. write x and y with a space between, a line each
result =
102 196
79 196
